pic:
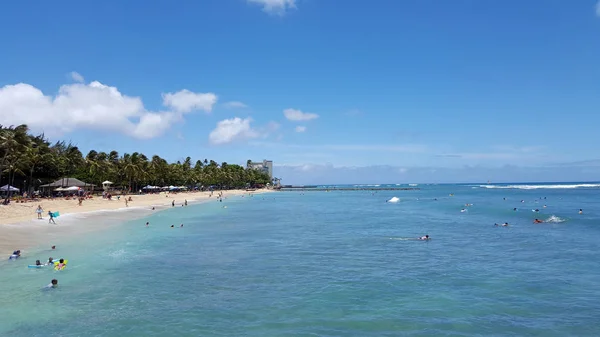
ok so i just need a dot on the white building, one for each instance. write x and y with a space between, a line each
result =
264 166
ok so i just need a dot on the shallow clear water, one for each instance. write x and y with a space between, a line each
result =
325 264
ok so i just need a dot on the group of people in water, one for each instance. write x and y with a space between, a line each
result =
58 265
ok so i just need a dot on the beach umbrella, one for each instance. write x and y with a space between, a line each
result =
8 188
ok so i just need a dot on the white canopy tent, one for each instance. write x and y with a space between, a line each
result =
8 188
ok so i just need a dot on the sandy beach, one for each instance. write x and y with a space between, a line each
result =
20 228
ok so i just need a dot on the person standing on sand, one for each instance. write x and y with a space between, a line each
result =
39 211
51 219
173 203
185 202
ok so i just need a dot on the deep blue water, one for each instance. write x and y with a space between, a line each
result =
326 264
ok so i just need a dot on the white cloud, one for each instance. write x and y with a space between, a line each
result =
300 128
598 8
297 115
237 130
89 106
185 101
75 76
235 104
276 7
230 130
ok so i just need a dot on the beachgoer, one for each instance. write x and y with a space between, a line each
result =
38 263
51 219
505 224
53 247
515 209
173 203
39 211
15 255
61 264
181 225
425 238
50 261
172 226
147 224
53 284
580 211
537 221
185 202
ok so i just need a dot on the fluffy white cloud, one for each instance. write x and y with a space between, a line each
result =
277 7
75 76
89 106
237 129
230 130
186 101
235 105
300 128
297 115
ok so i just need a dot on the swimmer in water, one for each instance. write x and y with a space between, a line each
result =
537 221
505 224
515 209
53 284
580 211
50 261
38 263
425 238
61 264
147 224
172 226
181 225
53 247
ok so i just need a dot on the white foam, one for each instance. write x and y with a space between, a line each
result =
394 199
555 219
533 187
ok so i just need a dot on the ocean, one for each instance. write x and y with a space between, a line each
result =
337 263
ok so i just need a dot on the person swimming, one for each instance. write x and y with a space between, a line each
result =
515 209
15 255
181 225
172 226
61 265
580 211
538 221
50 261
38 263
425 238
53 284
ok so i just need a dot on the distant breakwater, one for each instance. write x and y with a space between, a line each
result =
302 188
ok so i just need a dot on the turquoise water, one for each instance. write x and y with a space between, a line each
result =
326 264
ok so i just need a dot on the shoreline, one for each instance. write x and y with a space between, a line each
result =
20 228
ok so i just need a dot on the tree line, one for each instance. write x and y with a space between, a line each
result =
28 161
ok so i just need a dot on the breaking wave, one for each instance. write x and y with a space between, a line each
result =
534 187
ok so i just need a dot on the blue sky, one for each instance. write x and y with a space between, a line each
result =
439 91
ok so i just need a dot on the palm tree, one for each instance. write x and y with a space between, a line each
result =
25 158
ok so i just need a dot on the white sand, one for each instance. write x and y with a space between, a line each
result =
20 228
